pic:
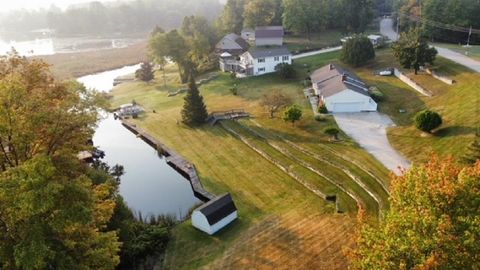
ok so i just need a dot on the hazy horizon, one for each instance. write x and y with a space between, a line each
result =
36 4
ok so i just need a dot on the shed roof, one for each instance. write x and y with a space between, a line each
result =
218 208
332 79
260 52
269 32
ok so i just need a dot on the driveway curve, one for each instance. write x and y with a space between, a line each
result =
369 130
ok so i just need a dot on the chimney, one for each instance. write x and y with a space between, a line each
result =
344 77
332 67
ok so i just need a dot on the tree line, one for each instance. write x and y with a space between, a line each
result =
298 16
103 18
440 18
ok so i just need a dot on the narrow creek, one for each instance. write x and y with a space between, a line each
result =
149 185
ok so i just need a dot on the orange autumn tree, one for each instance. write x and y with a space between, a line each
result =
433 221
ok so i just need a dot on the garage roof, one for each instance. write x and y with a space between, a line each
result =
218 208
332 79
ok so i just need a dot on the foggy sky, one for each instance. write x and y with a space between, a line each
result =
6 5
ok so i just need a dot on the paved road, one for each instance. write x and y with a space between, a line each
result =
369 129
301 55
459 58
386 29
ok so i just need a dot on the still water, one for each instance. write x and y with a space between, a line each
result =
49 46
149 184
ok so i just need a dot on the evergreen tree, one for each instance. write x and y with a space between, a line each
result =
194 111
472 154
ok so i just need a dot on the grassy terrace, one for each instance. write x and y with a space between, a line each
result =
458 105
282 223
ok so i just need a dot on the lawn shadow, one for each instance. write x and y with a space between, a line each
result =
454 131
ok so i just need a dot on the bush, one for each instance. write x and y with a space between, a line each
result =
322 109
332 131
377 95
357 51
320 118
145 73
427 120
234 90
285 71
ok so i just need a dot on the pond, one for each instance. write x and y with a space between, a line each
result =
149 185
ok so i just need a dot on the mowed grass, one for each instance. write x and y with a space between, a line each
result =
329 38
281 223
458 105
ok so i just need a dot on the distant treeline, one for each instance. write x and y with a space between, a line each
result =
98 18
441 20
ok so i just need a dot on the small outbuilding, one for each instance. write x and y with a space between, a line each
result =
215 214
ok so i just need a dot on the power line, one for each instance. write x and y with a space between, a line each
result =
436 24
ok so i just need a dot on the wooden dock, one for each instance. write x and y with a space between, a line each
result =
174 160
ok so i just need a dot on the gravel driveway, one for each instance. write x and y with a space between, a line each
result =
369 129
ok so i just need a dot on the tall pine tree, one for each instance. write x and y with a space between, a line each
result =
194 111
472 154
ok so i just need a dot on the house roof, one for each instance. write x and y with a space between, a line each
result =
332 79
218 208
261 52
269 32
239 41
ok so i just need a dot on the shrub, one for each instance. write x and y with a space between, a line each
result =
145 73
285 71
357 51
322 109
427 120
332 131
292 114
377 95
320 118
234 90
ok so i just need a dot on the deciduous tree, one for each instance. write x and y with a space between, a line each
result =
357 51
413 51
274 101
259 13
433 221
145 72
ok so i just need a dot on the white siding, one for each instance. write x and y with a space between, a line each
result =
350 101
269 41
200 222
269 65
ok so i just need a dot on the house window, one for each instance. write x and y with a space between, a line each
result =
261 60
276 58
261 69
285 58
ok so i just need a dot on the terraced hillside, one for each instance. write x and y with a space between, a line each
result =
279 176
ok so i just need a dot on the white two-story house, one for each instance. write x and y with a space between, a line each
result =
263 60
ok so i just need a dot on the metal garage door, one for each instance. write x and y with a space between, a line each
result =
347 107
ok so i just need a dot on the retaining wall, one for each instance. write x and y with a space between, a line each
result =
411 83
440 77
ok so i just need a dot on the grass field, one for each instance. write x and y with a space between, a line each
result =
74 65
282 224
458 104
320 40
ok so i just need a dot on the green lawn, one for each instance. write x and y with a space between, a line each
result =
458 105
278 216
320 40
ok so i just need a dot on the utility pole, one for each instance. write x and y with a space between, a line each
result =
469 34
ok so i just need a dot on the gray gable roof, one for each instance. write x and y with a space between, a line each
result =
232 39
218 208
269 32
332 79
262 52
